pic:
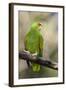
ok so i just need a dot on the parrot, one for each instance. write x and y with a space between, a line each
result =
34 43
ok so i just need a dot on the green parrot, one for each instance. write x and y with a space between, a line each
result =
34 43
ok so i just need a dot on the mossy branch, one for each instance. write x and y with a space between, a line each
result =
39 60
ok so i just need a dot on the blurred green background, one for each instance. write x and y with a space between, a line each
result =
50 35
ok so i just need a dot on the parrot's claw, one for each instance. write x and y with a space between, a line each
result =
34 55
26 51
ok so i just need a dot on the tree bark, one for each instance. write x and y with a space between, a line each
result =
23 55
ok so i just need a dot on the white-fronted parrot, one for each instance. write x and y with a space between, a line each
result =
34 43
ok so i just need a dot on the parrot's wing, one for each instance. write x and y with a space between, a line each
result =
26 39
40 45
25 44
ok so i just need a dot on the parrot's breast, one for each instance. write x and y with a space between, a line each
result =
32 42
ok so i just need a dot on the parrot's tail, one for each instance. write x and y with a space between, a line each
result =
35 67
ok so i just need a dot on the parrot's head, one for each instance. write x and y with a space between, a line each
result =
36 26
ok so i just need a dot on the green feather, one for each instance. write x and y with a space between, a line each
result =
34 43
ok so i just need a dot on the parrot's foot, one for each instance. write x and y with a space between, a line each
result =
34 55
26 51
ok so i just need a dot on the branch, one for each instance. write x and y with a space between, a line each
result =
39 60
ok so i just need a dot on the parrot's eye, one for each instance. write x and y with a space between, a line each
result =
39 24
